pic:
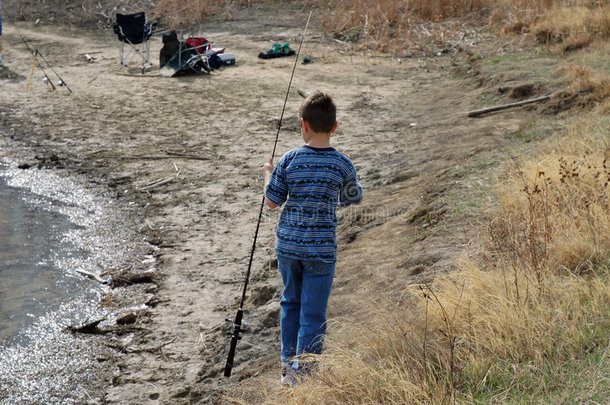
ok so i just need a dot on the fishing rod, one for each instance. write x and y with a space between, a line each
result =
239 324
61 82
35 52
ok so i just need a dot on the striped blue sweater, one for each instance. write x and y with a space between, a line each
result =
312 182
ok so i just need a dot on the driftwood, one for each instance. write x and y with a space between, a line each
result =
122 280
482 111
127 319
114 270
161 182
139 75
158 157
92 275
185 156
157 183
303 93
167 155
88 328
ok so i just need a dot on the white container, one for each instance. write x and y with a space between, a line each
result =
227 58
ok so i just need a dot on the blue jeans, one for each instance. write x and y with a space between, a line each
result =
307 286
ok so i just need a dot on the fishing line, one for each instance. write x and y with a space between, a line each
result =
239 325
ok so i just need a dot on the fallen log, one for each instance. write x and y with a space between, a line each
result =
482 111
126 279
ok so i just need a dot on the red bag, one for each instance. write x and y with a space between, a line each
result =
200 43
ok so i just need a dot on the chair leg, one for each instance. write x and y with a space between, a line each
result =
146 51
143 50
127 57
147 61
122 52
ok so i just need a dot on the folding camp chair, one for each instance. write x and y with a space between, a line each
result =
132 30
182 56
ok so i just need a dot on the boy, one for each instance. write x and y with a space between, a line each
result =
312 180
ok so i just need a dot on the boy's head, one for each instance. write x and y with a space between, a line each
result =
320 112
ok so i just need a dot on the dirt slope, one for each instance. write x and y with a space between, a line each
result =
424 165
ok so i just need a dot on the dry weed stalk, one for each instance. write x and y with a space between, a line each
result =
394 25
556 213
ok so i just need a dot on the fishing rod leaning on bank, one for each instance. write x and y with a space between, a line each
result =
39 60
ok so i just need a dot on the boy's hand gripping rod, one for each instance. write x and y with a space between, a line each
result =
239 324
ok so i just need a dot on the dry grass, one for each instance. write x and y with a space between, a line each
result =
588 77
397 26
392 25
463 339
530 330
185 13
555 212
573 27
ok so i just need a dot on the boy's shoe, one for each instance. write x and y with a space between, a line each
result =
288 376
289 380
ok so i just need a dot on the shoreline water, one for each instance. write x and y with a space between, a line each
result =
39 248
43 362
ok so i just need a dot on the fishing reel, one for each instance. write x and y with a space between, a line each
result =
46 80
238 329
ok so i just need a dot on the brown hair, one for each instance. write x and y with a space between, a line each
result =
320 112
